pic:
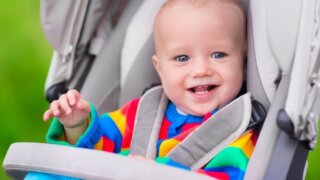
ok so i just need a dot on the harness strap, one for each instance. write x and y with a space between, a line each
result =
199 147
220 130
149 116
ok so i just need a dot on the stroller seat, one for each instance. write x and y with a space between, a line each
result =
283 70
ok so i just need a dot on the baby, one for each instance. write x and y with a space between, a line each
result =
200 53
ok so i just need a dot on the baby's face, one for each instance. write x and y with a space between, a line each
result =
199 56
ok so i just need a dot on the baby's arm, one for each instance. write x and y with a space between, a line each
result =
72 112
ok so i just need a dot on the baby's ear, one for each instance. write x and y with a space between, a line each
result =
155 62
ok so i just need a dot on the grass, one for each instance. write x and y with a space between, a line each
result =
24 61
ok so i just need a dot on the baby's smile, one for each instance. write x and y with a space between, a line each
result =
202 89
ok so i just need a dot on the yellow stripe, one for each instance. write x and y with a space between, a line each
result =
99 145
166 146
120 120
245 143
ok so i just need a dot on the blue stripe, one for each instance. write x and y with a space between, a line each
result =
111 131
158 147
176 164
233 172
178 120
93 133
46 176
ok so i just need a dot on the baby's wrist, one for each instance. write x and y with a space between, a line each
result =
72 134
80 124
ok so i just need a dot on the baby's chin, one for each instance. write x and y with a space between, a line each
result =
199 111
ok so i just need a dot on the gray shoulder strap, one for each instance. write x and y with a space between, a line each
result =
148 121
218 131
212 136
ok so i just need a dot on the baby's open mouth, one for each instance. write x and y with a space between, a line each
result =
202 89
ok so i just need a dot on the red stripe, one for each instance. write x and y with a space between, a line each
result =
217 175
164 129
188 126
184 134
254 137
108 145
129 111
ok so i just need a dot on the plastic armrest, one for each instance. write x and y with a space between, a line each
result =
85 164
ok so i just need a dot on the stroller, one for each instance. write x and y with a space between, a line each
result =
110 41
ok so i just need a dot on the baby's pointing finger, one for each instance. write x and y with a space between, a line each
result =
65 104
54 107
73 96
47 115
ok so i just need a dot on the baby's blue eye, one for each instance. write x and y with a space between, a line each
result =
218 55
182 58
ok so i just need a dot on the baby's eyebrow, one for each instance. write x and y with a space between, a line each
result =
228 45
178 49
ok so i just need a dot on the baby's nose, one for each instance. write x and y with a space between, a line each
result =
202 68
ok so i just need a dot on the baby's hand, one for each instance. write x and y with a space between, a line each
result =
71 110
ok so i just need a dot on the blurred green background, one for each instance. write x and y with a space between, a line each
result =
24 61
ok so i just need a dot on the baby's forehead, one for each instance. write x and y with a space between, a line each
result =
201 3
175 11
235 4
170 3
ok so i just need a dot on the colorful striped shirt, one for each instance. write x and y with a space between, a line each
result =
113 131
